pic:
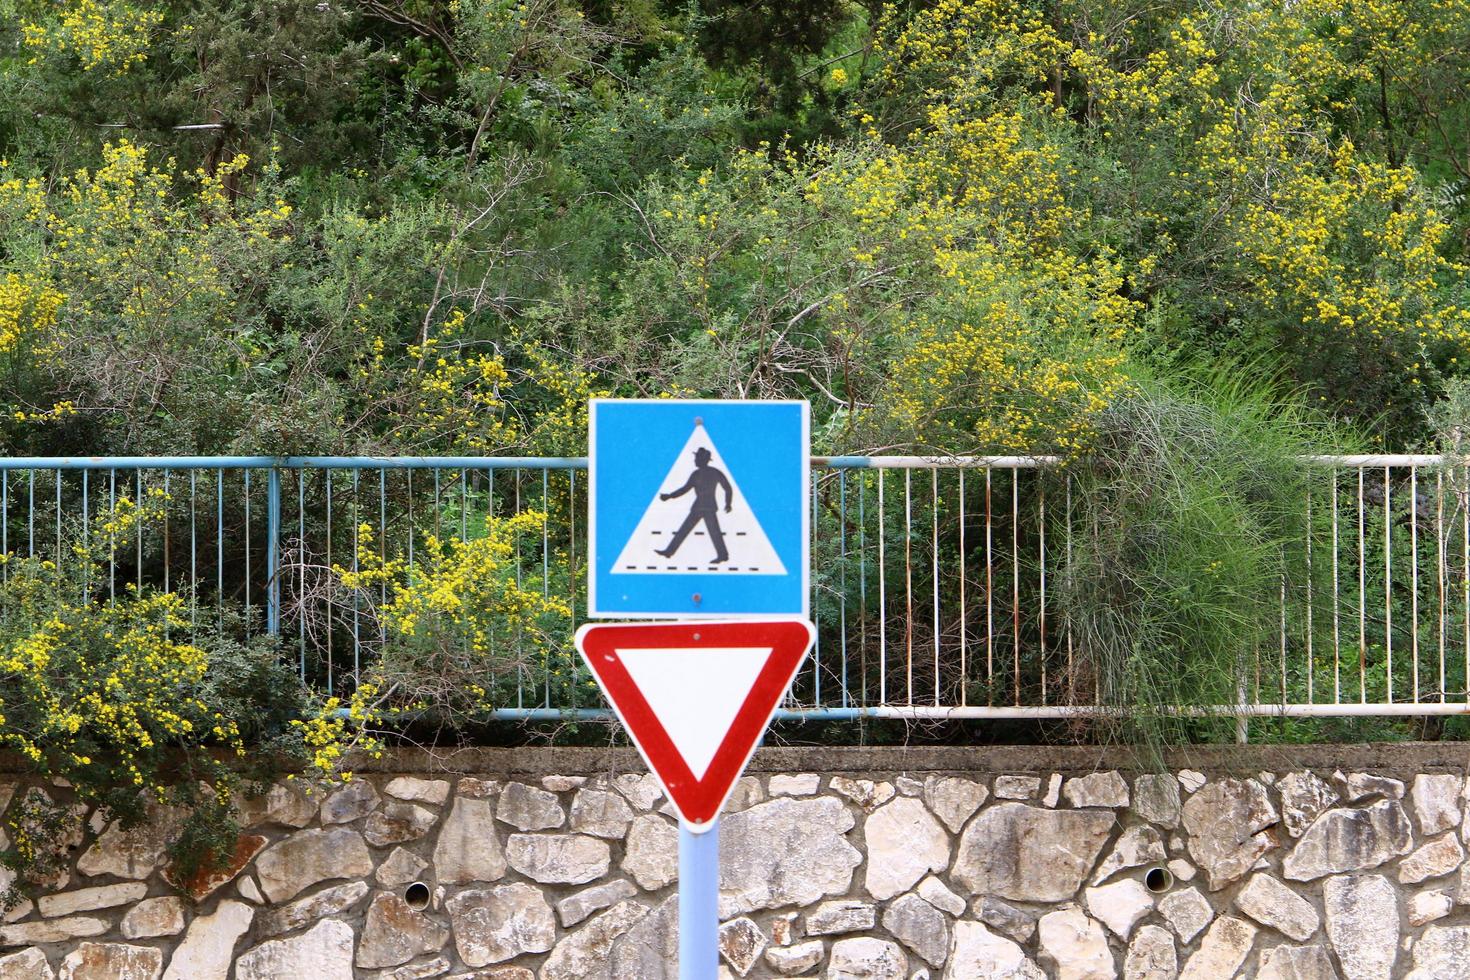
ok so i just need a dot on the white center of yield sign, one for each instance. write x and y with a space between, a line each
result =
696 693
699 522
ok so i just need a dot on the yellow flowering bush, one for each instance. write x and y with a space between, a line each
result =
109 37
121 696
1272 215
106 692
133 256
457 394
457 631
932 280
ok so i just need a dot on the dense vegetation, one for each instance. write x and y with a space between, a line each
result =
411 225
439 226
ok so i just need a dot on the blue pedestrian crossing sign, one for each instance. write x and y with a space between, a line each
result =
699 508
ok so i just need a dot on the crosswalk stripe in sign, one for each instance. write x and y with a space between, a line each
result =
696 698
728 540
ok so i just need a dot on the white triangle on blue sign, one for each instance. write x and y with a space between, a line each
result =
748 549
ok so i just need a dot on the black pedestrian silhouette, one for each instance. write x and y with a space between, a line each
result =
704 481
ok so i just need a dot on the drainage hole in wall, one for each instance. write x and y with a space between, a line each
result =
1157 879
416 896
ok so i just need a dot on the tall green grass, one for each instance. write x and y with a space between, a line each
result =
1190 517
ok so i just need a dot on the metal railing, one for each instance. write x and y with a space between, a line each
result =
933 579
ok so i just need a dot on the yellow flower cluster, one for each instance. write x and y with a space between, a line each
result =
122 228
453 626
968 44
79 676
460 396
1008 378
335 730
101 35
1325 237
28 311
1299 239
564 392
1022 342
468 588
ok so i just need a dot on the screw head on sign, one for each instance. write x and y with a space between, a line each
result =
698 420
695 597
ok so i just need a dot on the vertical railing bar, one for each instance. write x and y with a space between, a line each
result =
934 544
219 549
138 576
908 583
489 513
1096 530
58 521
1066 625
408 473
356 592
989 597
382 542
964 610
246 483
572 669
545 534
5 524
882 603
1336 601
272 551
167 537
464 508
1041 552
1016 582
331 653
1283 639
193 550
816 606
1414 577
571 547
31 514
1311 690
863 588
1387 587
1362 594
1439 570
842 571
1465 565
520 668
546 559
87 535
438 527
112 537
301 572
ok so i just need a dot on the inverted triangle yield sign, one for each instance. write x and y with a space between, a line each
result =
695 697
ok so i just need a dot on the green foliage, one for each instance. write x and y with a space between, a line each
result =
1194 497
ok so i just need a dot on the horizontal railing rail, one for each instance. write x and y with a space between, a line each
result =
934 578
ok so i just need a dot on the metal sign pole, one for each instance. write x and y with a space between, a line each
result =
699 903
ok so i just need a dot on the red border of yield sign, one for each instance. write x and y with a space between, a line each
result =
697 801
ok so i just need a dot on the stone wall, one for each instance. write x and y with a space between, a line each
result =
893 864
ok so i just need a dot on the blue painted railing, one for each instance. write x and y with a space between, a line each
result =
934 579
